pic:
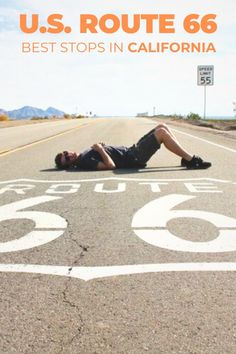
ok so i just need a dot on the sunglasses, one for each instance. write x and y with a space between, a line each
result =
66 154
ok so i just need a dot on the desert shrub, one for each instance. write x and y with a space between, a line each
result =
38 118
193 116
176 116
3 117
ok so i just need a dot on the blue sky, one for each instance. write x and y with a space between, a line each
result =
123 83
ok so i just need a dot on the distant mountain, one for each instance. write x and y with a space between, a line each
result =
28 112
2 111
54 112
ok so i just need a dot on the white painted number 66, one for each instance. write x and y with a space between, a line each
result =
43 222
157 213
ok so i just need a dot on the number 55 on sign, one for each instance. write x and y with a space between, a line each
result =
205 75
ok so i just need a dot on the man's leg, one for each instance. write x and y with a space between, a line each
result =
146 135
165 136
151 142
164 126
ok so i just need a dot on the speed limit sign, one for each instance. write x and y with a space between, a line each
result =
205 75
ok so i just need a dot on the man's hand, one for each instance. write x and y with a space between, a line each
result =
98 146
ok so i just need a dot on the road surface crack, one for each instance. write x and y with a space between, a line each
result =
79 329
83 249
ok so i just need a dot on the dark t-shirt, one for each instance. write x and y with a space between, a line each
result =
121 155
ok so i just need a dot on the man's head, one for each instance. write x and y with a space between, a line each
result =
65 159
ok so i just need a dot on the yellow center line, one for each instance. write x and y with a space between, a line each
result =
11 151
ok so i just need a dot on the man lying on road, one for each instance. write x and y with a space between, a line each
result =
103 157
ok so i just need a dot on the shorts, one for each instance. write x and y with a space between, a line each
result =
145 148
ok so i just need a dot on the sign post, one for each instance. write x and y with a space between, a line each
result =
205 77
234 103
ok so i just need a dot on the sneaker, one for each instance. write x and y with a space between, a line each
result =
195 164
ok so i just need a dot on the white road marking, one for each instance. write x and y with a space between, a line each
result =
42 220
99 188
117 179
12 150
205 140
157 213
89 273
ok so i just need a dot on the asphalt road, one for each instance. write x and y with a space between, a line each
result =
121 261
19 136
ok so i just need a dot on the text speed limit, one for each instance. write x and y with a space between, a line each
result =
205 75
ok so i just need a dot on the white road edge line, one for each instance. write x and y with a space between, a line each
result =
204 140
117 179
88 273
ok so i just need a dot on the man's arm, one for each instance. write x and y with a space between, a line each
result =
107 162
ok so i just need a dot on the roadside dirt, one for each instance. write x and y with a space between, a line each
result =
224 128
219 125
213 124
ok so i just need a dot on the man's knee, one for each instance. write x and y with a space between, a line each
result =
162 125
160 133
